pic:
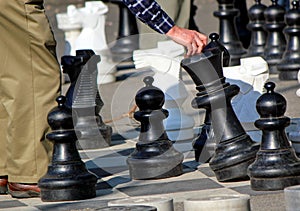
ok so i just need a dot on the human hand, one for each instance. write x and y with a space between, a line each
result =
192 40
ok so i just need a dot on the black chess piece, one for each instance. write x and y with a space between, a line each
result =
84 99
228 32
67 177
235 150
154 156
276 42
276 165
289 66
256 26
128 39
205 141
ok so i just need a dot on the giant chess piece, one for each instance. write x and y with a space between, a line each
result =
276 42
276 165
235 150
154 156
128 39
256 26
84 99
93 36
228 31
289 66
70 24
205 139
67 177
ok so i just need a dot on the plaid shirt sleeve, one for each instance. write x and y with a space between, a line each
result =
149 12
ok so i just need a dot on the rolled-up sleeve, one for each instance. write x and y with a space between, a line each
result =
150 13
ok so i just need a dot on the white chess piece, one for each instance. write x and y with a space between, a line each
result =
165 60
93 37
70 24
250 76
298 90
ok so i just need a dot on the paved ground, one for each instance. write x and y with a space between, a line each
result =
109 164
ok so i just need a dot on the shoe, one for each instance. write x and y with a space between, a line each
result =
3 184
22 190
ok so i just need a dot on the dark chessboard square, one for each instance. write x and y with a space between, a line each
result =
107 171
103 185
170 187
11 204
246 189
190 165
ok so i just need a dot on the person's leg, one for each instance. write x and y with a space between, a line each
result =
30 82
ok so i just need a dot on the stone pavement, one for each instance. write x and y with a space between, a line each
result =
109 164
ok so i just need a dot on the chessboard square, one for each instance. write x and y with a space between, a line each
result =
170 187
82 205
11 203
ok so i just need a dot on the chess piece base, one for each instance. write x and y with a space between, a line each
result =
146 163
272 184
68 190
232 159
274 170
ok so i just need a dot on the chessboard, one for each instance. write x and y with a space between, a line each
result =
114 182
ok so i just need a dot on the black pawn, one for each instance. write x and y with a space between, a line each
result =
276 42
276 165
235 150
84 99
67 177
128 39
289 66
256 26
228 32
154 156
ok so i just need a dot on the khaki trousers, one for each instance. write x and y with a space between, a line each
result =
178 10
29 85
